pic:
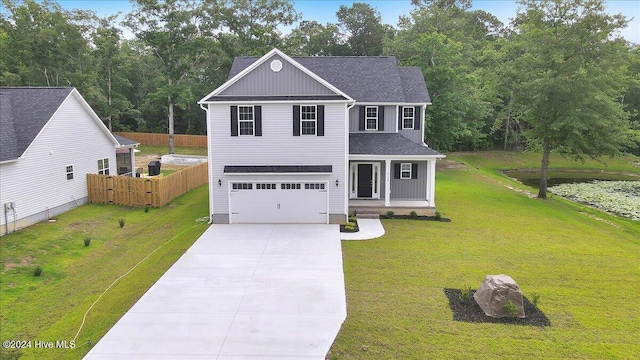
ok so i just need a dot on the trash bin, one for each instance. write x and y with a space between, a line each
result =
154 168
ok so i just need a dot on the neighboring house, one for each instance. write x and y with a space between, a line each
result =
50 139
125 155
308 139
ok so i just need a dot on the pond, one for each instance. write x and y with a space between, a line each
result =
532 177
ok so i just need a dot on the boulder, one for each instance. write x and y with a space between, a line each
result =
493 294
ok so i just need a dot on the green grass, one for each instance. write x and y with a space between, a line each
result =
163 150
51 307
582 262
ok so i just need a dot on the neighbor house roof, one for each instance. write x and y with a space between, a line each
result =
386 144
375 79
24 111
124 142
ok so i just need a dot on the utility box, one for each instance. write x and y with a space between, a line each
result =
154 168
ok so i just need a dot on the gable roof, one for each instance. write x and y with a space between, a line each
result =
375 79
125 142
258 61
24 112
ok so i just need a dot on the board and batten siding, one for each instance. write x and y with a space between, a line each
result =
410 188
278 146
390 123
39 180
263 81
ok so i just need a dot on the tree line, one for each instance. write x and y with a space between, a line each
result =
559 77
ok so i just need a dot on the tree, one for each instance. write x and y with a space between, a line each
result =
311 38
175 32
363 25
571 79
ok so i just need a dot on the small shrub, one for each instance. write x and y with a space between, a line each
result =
535 299
465 294
146 209
87 242
413 215
121 222
389 214
352 219
37 271
349 228
511 309
437 216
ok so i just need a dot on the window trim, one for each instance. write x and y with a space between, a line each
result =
252 121
102 170
413 117
315 120
367 118
404 171
69 172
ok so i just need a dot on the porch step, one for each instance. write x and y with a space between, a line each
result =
364 213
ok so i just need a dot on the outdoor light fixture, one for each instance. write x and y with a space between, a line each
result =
219 182
337 182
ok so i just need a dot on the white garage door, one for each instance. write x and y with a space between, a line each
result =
278 202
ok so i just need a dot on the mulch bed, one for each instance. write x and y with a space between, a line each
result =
419 217
356 229
470 311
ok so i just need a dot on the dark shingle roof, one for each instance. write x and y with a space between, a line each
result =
123 141
24 111
386 144
363 78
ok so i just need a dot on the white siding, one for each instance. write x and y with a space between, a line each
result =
278 146
39 181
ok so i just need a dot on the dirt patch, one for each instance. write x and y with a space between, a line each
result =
450 164
142 161
470 311
22 262
522 191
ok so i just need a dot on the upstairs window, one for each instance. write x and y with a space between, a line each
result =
408 117
308 118
245 120
371 118
103 166
69 172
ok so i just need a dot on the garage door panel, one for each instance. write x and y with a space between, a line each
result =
278 202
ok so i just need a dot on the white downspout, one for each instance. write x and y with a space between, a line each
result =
347 175
209 164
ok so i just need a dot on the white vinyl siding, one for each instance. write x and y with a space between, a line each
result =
38 181
278 146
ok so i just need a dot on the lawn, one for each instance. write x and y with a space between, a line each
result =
51 307
162 150
584 263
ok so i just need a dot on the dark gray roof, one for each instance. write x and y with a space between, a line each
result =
123 141
363 78
386 144
278 169
24 111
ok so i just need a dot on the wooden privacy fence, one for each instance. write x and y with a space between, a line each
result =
152 192
199 141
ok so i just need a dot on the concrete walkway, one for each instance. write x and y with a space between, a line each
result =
240 292
369 229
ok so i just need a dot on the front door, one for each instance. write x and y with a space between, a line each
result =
365 180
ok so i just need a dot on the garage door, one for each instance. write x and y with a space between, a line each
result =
278 202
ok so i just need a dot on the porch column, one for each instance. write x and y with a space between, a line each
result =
431 183
387 181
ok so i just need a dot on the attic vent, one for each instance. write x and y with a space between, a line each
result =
276 65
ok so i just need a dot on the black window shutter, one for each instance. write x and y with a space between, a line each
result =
396 172
234 121
320 115
417 118
257 113
361 118
380 118
296 120
399 117
414 170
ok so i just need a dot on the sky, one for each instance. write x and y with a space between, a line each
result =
324 11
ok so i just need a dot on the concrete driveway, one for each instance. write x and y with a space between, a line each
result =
240 292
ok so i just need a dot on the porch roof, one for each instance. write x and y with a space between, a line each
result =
386 144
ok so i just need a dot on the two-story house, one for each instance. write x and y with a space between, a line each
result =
308 139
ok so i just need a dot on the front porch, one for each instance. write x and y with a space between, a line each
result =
399 207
